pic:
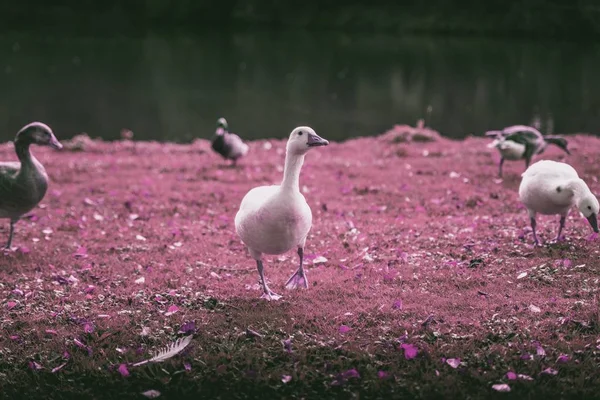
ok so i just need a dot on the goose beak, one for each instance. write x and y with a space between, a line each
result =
315 140
593 222
54 143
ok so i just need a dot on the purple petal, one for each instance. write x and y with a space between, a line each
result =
123 370
397 305
511 376
345 329
563 358
188 328
187 366
351 373
88 327
382 375
410 351
287 345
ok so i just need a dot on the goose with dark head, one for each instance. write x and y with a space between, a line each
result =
23 183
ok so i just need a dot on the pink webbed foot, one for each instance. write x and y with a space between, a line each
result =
297 280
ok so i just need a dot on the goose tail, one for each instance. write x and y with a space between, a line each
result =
558 141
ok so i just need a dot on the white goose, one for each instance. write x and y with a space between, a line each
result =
550 188
275 219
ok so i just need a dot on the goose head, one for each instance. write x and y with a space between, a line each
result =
302 139
589 207
38 133
221 126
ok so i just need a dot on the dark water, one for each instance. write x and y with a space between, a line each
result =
266 83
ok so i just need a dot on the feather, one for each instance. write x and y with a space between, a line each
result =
169 351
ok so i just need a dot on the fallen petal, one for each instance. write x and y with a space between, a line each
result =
151 394
410 351
501 387
123 370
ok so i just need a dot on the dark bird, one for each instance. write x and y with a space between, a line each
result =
23 184
520 142
227 144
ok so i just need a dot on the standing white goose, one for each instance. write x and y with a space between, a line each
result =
227 144
275 219
521 142
23 184
550 188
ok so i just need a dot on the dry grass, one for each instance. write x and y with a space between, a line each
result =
423 247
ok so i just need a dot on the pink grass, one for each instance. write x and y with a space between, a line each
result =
390 222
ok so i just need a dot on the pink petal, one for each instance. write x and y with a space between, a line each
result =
501 387
171 310
56 369
88 328
24 250
123 370
51 332
453 362
382 375
345 329
80 253
549 371
187 366
511 375
540 350
410 351
286 378
35 366
10 305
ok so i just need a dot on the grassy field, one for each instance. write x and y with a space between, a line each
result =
424 280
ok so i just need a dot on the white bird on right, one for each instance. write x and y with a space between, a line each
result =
550 188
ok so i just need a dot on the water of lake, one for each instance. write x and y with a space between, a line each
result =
265 83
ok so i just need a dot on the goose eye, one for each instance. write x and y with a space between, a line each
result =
300 133
589 207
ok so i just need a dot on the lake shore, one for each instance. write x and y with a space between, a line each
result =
424 280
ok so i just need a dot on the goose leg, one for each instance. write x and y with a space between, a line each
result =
561 226
299 277
500 167
533 225
267 293
10 234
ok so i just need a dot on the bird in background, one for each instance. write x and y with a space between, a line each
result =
23 183
229 145
521 142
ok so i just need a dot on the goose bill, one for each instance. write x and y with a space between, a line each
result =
316 140
593 219
55 144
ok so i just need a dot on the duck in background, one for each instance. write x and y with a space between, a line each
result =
23 184
521 142
275 219
550 188
229 145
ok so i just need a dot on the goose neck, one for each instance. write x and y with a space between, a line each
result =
291 171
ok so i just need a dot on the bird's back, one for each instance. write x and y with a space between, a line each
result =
540 188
